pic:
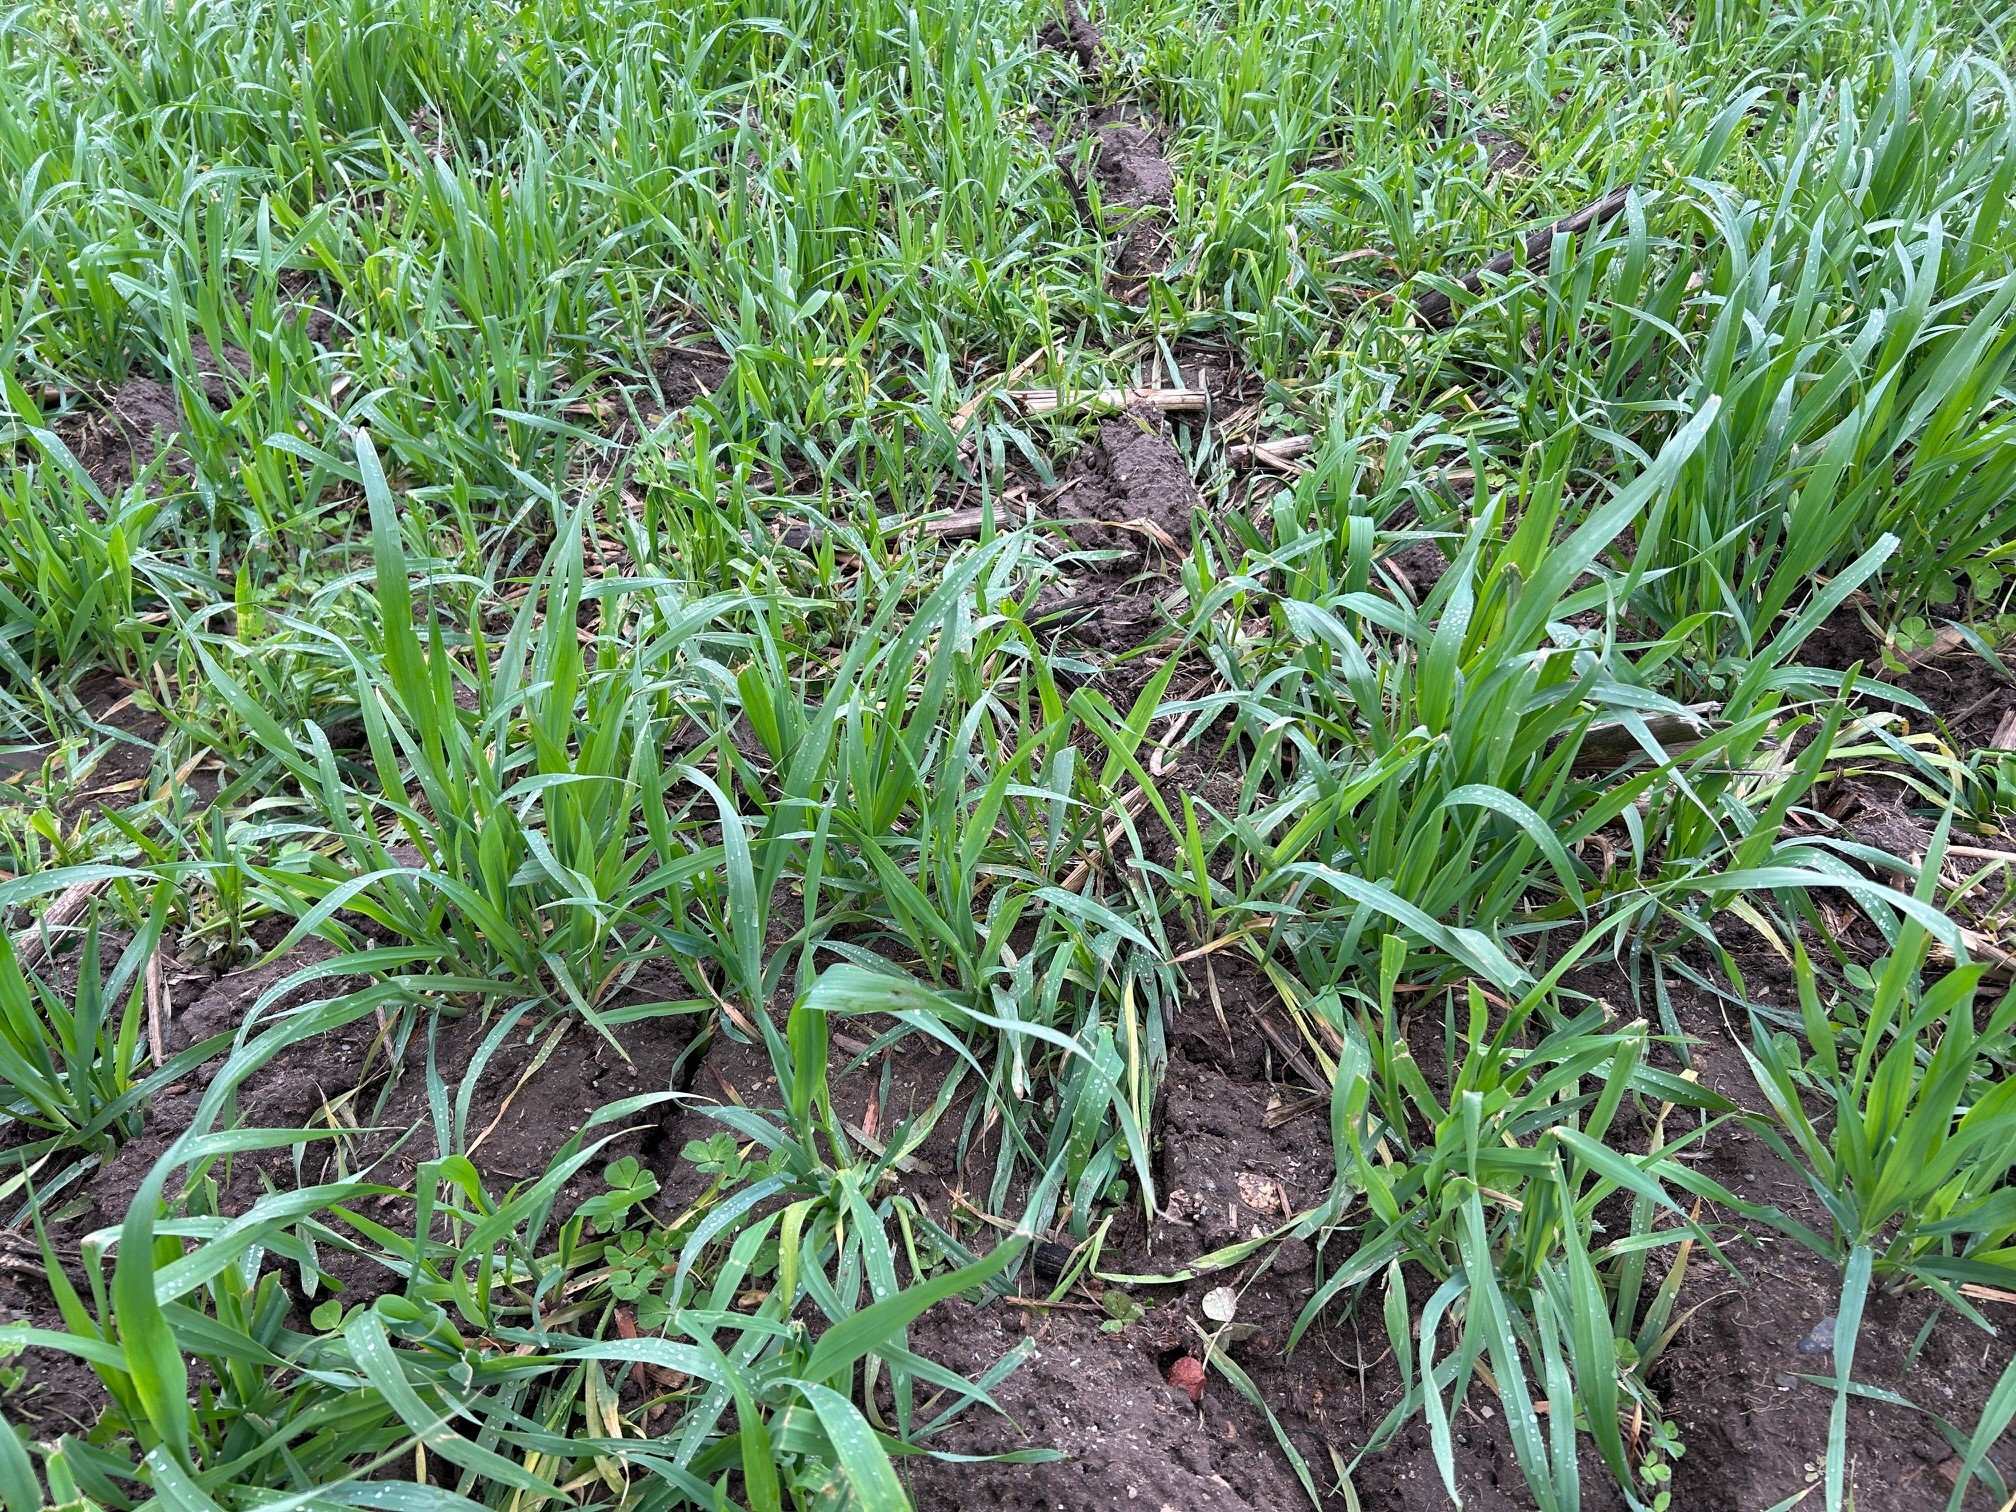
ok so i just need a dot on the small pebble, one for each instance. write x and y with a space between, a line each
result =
1821 1340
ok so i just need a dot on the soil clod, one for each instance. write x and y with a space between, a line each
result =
1074 35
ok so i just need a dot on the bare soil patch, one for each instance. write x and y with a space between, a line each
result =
1237 1135
1128 496
1131 1440
1074 35
127 433
688 368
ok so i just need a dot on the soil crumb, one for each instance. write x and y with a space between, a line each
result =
1422 564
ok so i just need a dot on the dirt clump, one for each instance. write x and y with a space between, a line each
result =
1074 35
1422 564
1136 185
1135 181
1128 165
1131 492
129 430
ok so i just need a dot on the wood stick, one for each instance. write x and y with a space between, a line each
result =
1435 308
1270 453
158 1009
1999 964
65 911
1295 1059
1944 644
957 525
1044 401
1132 805
1607 744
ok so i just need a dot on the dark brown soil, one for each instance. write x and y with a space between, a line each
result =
126 756
127 433
1968 699
59 1391
1506 155
520 1117
318 324
736 1070
303 293
1132 478
1229 1176
1076 36
118 721
688 368
1966 693
1131 1441
57 1394
1754 1432
1129 494
1222 370
220 378
1422 564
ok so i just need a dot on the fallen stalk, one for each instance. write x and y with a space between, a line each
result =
1436 309
1048 401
